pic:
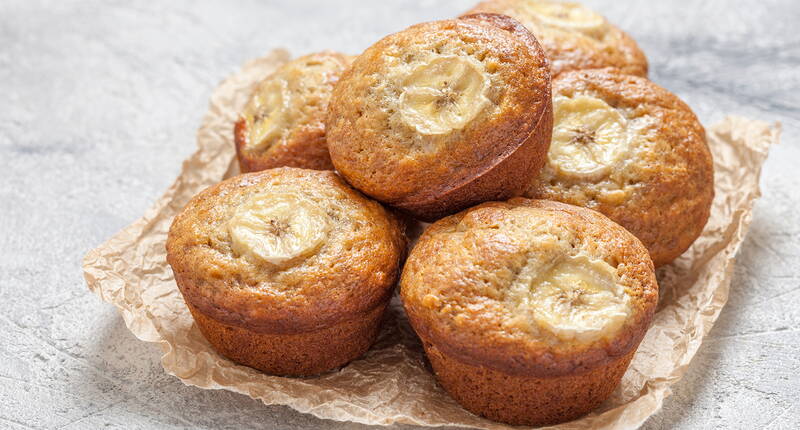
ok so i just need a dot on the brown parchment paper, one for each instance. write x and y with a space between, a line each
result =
392 384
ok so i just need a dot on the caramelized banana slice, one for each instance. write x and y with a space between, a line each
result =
568 16
444 94
278 228
267 113
589 137
580 299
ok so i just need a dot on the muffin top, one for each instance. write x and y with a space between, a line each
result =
434 107
283 123
632 150
573 36
530 287
285 250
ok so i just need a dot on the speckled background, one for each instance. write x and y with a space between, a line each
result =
101 101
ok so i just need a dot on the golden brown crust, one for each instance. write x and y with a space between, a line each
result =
668 178
302 143
300 354
429 176
569 49
526 400
456 282
352 273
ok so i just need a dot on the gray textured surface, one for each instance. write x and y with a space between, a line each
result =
101 103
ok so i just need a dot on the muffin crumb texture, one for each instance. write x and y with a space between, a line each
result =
529 310
283 122
633 151
443 115
286 270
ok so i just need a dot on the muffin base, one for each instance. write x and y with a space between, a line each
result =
526 400
295 354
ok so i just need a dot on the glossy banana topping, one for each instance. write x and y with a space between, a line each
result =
567 16
444 94
290 98
268 113
278 228
579 299
589 137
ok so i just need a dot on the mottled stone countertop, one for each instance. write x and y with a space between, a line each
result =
101 101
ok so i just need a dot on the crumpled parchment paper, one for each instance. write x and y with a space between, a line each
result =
392 384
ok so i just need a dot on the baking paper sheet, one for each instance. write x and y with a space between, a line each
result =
392 383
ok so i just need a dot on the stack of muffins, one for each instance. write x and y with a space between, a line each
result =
555 175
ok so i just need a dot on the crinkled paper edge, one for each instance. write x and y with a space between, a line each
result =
120 270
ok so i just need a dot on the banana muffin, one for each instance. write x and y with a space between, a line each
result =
573 36
529 311
286 270
443 115
283 123
633 151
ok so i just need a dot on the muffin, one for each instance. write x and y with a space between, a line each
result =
443 115
633 151
287 270
529 311
283 123
573 36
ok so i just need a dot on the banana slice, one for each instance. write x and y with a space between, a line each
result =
580 299
277 228
589 137
444 94
568 16
267 113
